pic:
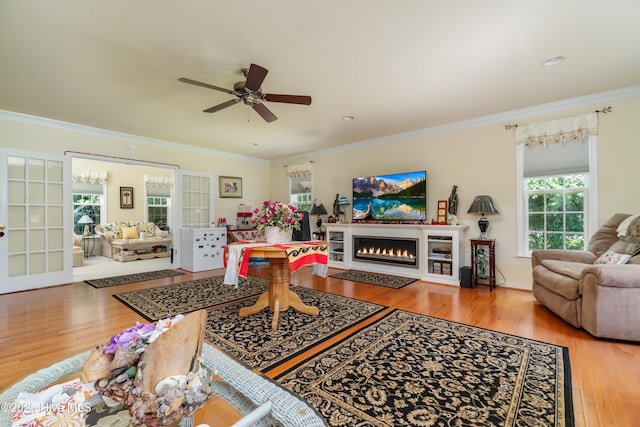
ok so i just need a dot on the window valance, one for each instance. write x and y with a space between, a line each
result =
90 176
158 181
301 170
559 131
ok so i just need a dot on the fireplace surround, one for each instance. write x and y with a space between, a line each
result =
430 243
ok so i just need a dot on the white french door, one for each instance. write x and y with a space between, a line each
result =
195 195
35 220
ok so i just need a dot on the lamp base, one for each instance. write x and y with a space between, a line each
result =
483 224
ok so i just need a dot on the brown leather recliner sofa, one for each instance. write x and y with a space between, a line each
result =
597 289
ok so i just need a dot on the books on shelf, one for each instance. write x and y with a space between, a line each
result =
440 255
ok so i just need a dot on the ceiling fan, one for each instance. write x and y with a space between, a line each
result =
250 93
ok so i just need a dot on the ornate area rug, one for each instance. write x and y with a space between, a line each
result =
162 301
387 280
409 369
131 278
251 340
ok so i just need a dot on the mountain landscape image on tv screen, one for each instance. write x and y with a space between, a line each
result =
393 197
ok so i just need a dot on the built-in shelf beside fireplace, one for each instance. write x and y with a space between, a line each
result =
427 252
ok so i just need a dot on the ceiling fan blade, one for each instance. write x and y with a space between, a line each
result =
289 99
255 77
193 82
266 114
222 106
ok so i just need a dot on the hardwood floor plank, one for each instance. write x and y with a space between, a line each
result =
44 326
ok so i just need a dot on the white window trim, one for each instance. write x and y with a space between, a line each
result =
591 197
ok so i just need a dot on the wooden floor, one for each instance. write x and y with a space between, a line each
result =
44 326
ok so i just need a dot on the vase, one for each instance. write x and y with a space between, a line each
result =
276 235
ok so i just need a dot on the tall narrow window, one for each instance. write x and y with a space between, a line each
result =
88 197
158 200
300 186
557 208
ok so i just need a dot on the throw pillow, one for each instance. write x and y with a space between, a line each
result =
610 257
129 232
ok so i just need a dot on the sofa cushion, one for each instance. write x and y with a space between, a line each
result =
611 257
565 268
559 277
606 235
629 247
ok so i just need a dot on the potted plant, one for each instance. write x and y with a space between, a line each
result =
278 220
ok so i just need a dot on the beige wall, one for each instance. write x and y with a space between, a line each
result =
123 175
482 160
479 160
42 136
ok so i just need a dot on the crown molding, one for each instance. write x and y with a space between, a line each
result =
41 121
567 104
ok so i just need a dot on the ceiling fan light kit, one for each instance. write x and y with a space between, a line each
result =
250 93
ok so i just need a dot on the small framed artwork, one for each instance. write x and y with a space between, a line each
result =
126 197
442 212
230 186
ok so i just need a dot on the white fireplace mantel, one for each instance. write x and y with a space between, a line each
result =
432 266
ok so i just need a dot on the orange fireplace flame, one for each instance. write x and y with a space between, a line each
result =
396 253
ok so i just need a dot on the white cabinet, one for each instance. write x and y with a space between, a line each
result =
443 247
337 245
203 248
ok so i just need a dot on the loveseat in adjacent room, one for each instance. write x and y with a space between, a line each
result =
140 235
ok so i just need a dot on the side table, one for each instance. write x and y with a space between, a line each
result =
483 262
89 244
318 235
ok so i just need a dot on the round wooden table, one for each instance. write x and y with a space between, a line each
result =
278 297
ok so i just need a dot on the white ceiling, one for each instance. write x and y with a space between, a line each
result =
397 66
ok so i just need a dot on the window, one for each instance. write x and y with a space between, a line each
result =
88 197
556 212
158 200
87 204
158 211
300 186
557 206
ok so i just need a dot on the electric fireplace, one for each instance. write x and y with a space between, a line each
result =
386 250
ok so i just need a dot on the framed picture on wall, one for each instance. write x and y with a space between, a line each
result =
230 186
126 197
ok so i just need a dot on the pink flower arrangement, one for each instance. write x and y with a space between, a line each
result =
277 214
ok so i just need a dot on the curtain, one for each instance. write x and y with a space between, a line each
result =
90 176
300 171
559 131
158 181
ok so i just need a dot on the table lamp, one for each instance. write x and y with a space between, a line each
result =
318 209
86 220
483 205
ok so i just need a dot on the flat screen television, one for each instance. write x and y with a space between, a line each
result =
392 197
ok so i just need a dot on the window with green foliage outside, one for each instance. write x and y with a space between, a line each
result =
556 212
158 211
86 204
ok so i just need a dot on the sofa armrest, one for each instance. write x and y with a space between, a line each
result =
612 275
584 257
98 230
